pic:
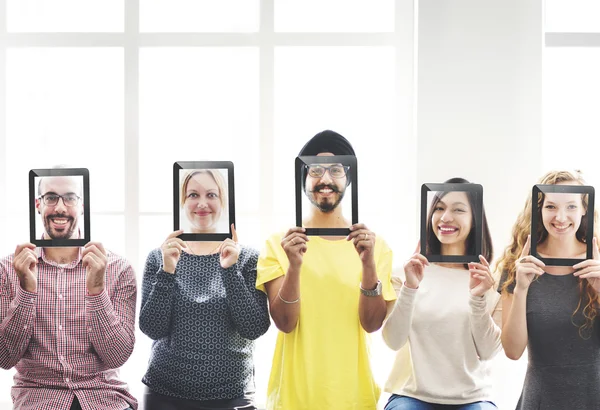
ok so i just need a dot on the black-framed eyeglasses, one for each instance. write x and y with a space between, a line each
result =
336 171
68 199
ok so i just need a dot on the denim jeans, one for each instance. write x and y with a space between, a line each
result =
408 403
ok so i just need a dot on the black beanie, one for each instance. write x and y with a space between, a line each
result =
326 141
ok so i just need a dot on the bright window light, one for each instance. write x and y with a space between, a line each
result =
85 16
334 15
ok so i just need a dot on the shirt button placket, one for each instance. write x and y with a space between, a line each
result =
61 339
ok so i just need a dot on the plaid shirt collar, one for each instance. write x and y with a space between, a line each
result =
41 254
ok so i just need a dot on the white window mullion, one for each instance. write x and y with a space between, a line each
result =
572 39
85 40
132 137
266 110
406 23
264 347
7 244
263 39
3 183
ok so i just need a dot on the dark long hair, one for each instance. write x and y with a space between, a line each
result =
433 245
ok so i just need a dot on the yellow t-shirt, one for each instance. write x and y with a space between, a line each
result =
323 364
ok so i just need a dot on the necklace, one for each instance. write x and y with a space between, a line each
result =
202 254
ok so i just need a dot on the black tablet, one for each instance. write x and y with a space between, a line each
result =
327 184
559 212
59 211
203 200
451 219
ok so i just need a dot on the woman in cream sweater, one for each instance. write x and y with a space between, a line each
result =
440 324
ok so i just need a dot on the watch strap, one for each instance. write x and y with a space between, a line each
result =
372 292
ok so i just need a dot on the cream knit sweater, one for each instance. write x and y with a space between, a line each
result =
451 339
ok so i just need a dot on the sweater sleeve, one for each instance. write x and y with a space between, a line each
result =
158 290
397 325
486 334
247 305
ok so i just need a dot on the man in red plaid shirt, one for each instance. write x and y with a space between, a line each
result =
67 314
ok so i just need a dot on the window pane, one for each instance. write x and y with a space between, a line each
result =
153 232
198 104
65 106
110 231
17 224
573 15
351 91
199 16
334 15
249 228
135 368
571 106
64 15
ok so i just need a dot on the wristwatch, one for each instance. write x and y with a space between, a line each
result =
371 292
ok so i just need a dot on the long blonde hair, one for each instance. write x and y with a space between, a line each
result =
506 264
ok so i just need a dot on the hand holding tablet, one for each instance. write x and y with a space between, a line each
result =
94 259
363 240
590 268
25 263
414 268
527 267
229 251
481 279
294 245
171 251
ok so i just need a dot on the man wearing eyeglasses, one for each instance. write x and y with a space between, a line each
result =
60 204
326 189
67 313
325 294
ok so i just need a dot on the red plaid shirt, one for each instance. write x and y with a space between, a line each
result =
63 342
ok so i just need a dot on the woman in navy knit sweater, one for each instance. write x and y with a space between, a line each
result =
201 308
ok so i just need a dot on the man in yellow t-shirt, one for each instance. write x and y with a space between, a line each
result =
325 295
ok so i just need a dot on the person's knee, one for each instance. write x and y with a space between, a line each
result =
480 405
406 403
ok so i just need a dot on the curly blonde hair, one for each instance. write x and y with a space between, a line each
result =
506 264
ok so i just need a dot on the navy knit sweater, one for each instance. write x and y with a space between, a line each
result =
203 320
